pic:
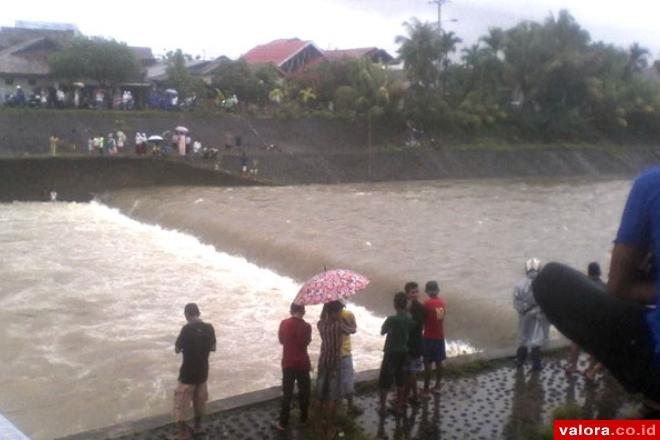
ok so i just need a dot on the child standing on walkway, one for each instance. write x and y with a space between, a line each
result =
397 328
294 335
434 336
346 371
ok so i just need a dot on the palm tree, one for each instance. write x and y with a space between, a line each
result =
448 42
371 84
636 59
494 41
421 53
473 56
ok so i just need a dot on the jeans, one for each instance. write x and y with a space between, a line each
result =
289 377
613 330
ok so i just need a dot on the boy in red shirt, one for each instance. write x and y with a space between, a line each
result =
434 336
295 335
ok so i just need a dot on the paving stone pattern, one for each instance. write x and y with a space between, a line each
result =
500 403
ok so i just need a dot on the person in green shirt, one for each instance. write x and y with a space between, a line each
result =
397 328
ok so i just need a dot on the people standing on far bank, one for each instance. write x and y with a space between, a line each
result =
111 144
532 325
295 335
121 141
196 340
53 140
434 336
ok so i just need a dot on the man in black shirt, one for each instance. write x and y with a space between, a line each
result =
196 341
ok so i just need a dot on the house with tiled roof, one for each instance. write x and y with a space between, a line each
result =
26 64
288 55
144 55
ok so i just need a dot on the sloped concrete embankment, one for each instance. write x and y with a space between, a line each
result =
82 178
303 168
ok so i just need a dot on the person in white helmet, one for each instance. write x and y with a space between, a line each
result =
533 327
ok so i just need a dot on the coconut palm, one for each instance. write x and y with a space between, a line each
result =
494 41
637 59
421 53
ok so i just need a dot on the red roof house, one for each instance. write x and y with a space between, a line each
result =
288 55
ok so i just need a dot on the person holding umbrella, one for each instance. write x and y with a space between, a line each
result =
329 288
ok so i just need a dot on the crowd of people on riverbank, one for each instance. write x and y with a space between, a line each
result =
617 324
414 345
80 96
414 349
177 143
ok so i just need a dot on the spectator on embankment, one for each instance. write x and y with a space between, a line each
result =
196 340
295 335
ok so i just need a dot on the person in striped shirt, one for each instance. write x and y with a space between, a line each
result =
327 383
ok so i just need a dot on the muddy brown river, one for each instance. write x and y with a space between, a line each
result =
92 295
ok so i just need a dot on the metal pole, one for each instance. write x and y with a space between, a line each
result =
440 17
439 3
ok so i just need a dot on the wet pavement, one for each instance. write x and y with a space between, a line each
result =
500 402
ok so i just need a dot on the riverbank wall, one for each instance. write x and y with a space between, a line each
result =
82 177
451 163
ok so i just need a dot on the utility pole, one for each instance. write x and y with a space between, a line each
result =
439 3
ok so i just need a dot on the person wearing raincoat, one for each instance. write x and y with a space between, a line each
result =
533 327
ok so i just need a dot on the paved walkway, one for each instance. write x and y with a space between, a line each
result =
499 402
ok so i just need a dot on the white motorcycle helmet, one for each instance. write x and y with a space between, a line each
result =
533 264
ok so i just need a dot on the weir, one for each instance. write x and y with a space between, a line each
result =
82 177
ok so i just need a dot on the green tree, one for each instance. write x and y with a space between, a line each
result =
637 59
370 83
422 53
108 62
237 77
494 41
178 76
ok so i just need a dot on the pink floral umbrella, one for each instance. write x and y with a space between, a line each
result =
330 285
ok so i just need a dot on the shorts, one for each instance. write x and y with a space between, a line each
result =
434 350
346 378
185 394
392 370
327 384
414 364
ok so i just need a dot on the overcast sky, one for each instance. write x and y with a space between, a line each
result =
232 27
